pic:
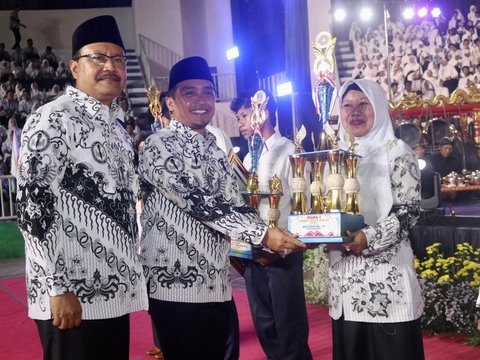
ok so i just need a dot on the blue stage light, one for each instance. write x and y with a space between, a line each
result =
436 12
284 88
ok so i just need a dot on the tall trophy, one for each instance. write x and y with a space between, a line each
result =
155 107
253 194
334 204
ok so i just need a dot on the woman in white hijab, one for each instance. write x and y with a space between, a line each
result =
374 295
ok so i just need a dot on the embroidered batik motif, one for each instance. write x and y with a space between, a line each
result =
376 285
192 208
76 208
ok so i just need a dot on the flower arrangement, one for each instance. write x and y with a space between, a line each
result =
316 275
450 288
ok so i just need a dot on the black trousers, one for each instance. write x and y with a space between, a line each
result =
17 35
377 341
277 303
189 331
92 340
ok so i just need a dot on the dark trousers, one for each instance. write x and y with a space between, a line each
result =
192 330
277 303
16 34
92 340
377 341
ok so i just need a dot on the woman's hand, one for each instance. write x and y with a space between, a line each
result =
358 244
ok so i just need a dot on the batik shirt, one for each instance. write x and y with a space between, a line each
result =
381 285
192 208
76 209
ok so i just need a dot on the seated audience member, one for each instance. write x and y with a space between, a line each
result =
444 162
4 70
46 75
8 107
50 56
26 104
18 91
30 52
62 72
33 70
54 93
36 94
17 55
466 79
4 55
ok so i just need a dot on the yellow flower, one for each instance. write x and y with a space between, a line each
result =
444 278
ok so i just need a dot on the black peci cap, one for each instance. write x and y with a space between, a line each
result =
98 29
194 67
445 141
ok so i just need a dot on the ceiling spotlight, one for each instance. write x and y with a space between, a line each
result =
408 13
339 14
284 88
422 12
232 53
436 12
366 14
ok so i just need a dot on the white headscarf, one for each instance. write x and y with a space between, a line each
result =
377 149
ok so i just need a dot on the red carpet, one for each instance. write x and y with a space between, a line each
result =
19 338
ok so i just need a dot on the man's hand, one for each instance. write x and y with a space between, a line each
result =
358 244
66 311
282 241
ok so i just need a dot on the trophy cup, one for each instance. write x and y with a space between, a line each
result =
334 207
155 107
253 194
255 146
298 183
276 190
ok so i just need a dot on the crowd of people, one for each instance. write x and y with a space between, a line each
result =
430 58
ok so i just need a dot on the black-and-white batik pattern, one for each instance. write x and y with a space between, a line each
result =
76 209
376 286
192 207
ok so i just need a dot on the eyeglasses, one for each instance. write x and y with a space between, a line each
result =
101 59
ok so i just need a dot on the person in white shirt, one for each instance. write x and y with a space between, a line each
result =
466 79
275 290
76 207
448 75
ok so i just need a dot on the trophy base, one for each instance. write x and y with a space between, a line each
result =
324 228
243 250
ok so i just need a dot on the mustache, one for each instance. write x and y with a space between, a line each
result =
108 75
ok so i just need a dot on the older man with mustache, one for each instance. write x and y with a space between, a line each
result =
76 207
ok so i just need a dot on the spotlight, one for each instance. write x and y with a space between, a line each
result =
284 88
339 14
408 13
232 53
422 12
236 149
366 14
436 12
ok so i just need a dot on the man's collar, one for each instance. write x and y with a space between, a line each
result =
178 126
272 140
89 104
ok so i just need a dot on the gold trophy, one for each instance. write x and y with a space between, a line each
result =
317 187
155 106
276 191
255 146
335 207
298 183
